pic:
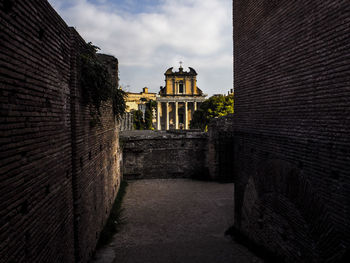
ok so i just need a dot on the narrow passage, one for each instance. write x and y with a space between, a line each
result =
176 220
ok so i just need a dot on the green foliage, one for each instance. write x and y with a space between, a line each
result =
97 84
152 104
138 120
115 219
215 106
149 114
144 124
118 99
148 119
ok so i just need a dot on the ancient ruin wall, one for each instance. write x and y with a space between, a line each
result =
291 129
148 154
59 175
96 160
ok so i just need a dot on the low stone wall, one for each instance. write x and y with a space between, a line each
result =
150 154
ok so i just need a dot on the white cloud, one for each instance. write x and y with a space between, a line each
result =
198 32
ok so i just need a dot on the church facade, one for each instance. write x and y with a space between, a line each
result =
178 99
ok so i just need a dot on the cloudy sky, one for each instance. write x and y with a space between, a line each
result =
150 36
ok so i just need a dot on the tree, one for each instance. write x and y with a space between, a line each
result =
215 106
148 119
149 114
138 120
144 124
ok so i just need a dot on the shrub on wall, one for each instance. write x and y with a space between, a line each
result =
97 84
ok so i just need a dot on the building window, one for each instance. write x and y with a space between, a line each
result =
181 87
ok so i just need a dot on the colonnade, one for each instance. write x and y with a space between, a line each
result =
167 119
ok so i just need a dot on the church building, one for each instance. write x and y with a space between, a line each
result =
178 100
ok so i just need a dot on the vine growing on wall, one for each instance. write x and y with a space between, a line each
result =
97 85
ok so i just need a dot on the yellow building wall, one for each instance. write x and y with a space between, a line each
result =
131 105
187 84
132 100
169 85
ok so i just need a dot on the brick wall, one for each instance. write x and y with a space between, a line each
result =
59 175
148 154
291 129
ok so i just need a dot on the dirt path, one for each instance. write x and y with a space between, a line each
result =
176 220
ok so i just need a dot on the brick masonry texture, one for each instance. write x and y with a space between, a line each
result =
290 134
148 154
59 175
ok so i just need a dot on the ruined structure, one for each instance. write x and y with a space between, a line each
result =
178 99
127 122
59 175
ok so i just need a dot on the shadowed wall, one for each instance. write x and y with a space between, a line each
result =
59 175
291 131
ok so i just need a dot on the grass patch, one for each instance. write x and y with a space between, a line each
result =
115 219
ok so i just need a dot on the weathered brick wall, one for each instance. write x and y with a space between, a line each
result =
51 158
36 170
96 160
148 154
291 129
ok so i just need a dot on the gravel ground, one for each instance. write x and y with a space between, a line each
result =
176 220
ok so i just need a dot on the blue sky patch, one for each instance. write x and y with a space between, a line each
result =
131 6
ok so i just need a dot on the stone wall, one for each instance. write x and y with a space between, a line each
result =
150 154
59 175
291 131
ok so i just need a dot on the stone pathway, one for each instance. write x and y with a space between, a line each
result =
176 220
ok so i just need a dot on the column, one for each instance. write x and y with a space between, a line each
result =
186 116
195 105
167 115
176 115
159 106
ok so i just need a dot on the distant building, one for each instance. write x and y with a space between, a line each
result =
178 100
137 101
